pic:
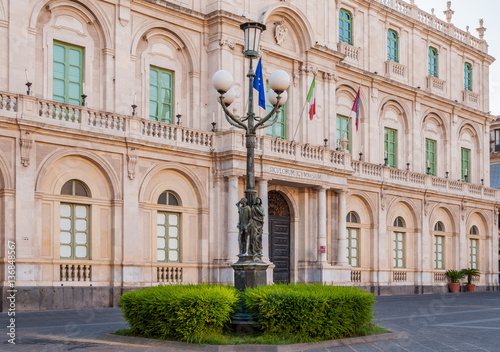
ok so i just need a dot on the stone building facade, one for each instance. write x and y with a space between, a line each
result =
118 169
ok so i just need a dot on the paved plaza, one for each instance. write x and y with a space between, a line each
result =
443 322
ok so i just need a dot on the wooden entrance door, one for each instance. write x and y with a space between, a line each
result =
279 236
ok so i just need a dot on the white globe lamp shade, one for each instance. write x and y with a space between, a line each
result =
284 98
229 97
272 97
279 81
222 81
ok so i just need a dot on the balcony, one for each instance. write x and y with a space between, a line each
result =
436 85
352 54
470 98
28 110
395 71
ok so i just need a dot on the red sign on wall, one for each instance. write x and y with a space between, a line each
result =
321 249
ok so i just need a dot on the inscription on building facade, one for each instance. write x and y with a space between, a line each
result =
294 173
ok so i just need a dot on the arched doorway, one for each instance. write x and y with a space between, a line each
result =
279 236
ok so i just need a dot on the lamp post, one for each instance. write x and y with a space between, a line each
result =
250 270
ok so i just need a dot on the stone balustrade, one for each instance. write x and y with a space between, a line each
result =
411 10
28 108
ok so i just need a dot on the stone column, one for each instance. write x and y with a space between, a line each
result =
232 219
265 203
342 242
322 223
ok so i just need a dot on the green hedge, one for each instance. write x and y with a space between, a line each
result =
180 312
310 311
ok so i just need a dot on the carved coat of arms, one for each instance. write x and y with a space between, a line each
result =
280 32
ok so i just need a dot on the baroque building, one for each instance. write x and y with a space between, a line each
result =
118 169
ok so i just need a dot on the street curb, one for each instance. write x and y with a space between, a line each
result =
175 346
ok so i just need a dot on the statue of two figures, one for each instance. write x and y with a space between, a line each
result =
250 225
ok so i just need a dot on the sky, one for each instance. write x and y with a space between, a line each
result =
468 13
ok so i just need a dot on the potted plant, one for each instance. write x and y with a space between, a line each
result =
470 273
454 276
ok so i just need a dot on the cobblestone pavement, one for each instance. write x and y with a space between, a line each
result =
442 322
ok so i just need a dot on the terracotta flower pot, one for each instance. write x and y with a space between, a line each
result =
470 288
453 287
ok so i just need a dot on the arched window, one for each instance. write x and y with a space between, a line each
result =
74 223
392 46
439 226
433 62
352 217
399 222
353 239
467 76
168 229
345 27
439 247
473 230
75 188
399 244
168 198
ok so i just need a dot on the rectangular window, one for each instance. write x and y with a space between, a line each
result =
438 252
343 130
466 164
430 156
161 83
467 76
392 45
345 27
353 247
399 250
67 73
278 129
167 237
473 248
390 146
433 62
74 231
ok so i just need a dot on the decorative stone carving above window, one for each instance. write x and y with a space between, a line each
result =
280 32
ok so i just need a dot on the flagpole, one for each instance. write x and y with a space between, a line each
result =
301 115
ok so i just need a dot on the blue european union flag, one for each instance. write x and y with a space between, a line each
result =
258 83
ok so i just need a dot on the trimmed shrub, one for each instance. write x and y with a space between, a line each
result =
310 311
180 312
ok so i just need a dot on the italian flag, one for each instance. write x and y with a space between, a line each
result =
311 98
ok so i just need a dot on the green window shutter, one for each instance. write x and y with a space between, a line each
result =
353 246
345 27
433 62
392 45
390 146
343 127
161 84
67 73
168 237
74 231
466 164
467 76
278 129
473 252
398 250
430 156
438 252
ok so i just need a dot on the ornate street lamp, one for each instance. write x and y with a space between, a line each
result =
250 270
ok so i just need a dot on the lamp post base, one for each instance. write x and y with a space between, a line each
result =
249 271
